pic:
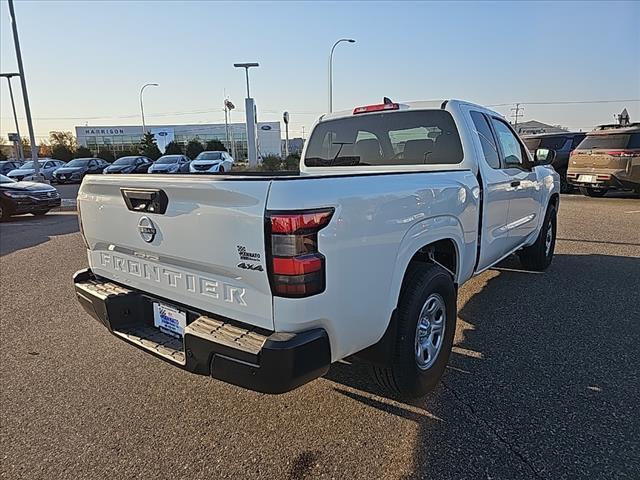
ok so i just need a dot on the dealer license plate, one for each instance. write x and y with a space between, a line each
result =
169 319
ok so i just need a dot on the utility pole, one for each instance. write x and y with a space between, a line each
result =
25 96
516 114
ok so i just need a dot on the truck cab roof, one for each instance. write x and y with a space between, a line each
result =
404 106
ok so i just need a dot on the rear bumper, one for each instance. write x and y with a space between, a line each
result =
229 351
603 179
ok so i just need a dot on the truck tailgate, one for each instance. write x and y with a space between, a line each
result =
190 253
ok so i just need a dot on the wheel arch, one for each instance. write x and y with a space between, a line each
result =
442 246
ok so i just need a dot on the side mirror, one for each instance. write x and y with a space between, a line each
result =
544 156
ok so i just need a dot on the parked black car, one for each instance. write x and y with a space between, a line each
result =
133 164
561 144
7 165
76 169
26 197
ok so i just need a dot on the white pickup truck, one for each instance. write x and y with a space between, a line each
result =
264 280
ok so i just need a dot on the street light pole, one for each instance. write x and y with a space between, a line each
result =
144 127
349 40
25 96
228 106
19 153
250 111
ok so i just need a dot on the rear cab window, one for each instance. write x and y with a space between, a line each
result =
421 137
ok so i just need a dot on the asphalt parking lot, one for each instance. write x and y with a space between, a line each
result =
543 382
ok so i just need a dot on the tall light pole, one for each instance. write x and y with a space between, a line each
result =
228 106
349 40
285 118
250 111
25 96
144 126
19 152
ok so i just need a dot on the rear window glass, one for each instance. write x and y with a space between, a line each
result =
614 141
552 143
399 138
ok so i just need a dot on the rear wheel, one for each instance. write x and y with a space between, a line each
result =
538 256
426 316
593 192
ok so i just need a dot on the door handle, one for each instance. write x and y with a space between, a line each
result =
515 183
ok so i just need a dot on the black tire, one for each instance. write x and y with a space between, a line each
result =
4 212
538 257
593 192
221 169
565 186
403 377
40 213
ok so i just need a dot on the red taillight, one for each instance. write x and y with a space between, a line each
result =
623 153
296 267
376 108
603 176
295 223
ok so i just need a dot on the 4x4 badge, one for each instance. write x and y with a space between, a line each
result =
250 266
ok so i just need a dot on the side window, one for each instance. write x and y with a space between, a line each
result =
48 165
576 141
512 152
487 140
92 164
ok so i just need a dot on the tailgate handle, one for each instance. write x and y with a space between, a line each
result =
145 200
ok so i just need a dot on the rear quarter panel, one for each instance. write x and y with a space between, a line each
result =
380 222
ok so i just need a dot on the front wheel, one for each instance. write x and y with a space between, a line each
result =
221 169
565 186
538 256
593 192
4 212
426 317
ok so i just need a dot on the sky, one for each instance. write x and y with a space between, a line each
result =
85 61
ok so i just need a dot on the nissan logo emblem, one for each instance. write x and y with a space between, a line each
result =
147 229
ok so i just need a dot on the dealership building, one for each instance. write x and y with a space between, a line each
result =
127 138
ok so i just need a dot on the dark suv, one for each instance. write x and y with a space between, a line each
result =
561 144
607 159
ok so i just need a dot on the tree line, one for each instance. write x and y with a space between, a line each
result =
64 146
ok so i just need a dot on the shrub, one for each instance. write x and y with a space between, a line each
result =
106 155
194 147
82 152
271 163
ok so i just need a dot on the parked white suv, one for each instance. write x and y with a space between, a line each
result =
264 281
211 162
